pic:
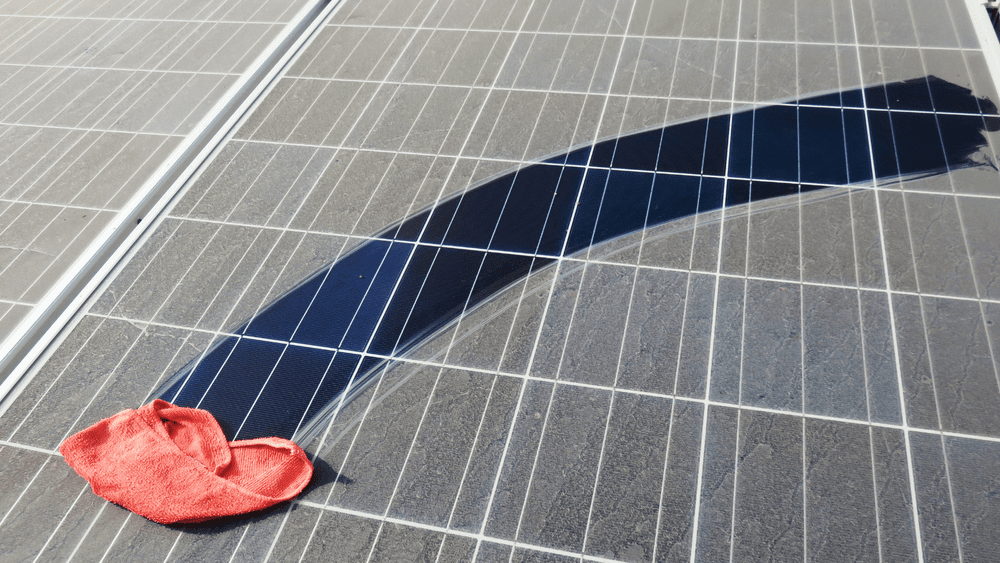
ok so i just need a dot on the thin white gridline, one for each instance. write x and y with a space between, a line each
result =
923 316
864 344
577 258
667 37
628 314
66 170
888 185
113 540
123 524
900 388
741 103
155 52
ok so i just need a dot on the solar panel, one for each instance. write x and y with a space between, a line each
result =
614 281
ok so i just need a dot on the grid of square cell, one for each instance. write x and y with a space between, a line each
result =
634 386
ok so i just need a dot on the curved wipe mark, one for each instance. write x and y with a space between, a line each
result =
287 367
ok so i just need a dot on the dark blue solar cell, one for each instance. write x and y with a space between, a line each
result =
639 151
250 365
441 295
715 146
279 320
536 212
737 192
775 144
440 220
399 307
918 145
914 96
499 270
710 194
335 381
820 143
806 188
761 191
353 295
624 207
875 97
852 99
674 197
195 377
958 143
478 213
603 153
833 100
684 150
579 157
282 404
409 229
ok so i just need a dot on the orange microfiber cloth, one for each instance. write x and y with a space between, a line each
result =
172 464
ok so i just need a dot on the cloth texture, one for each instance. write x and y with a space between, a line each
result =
173 465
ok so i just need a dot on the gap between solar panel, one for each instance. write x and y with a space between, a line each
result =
304 356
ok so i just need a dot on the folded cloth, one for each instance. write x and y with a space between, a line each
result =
172 464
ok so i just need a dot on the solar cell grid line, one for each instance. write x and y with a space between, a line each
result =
893 330
684 318
500 363
975 278
652 267
138 43
923 314
802 41
134 86
25 490
540 329
923 318
59 525
968 249
413 442
26 25
319 49
411 204
54 76
745 294
519 376
865 359
280 99
802 301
